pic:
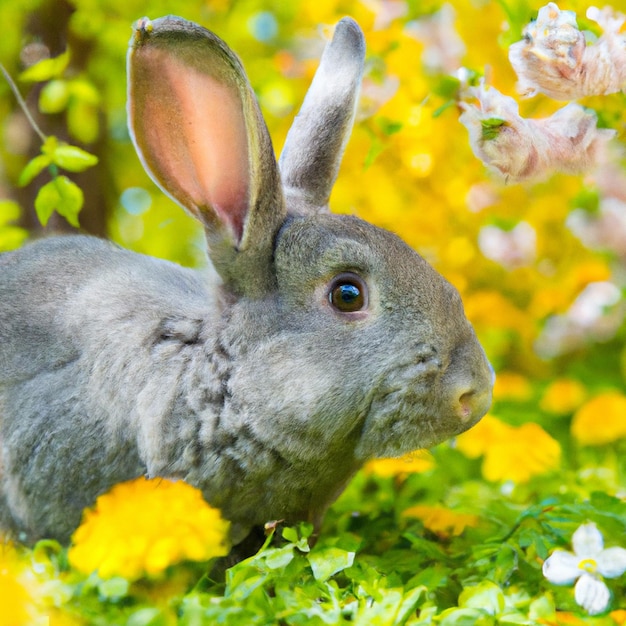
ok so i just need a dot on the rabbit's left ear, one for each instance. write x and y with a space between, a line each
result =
314 146
198 130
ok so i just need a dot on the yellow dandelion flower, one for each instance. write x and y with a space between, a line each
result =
510 453
141 527
562 396
528 451
15 599
411 463
442 521
512 386
31 591
565 618
482 437
601 420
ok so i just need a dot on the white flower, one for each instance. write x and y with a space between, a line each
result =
595 316
511 248
556 59
521 149
443 48
589 563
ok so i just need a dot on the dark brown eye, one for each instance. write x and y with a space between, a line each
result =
348 293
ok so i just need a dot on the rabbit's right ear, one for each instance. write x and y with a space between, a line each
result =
198 130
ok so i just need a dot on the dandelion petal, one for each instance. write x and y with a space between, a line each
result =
587 541
592 594
612 562
561 568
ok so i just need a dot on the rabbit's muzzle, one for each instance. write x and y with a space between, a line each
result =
427 400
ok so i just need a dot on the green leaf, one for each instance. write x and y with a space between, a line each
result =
443 108
278 558
60 195
447 87
83 121
46 69
146 617
432 577
113 588
290 534
327 562
491 127
389 127
9 211
409 604
485 595
54 97
241 586
466 617
12 237
506 564
84 91
376 149
515 617
517 13
33 168
588 199
542 608
72 158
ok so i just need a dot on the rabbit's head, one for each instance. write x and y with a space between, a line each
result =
349 345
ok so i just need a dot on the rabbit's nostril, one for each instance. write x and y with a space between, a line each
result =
471 404
465 406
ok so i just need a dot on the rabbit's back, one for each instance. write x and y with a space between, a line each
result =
87 330
58 292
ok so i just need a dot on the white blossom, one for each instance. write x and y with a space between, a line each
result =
521 149
556 59
443 48
587 567
604 229
510 248
595 315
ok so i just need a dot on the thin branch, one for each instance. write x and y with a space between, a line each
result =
20 101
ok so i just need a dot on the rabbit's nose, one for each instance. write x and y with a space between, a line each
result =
471 392
468 382
471 402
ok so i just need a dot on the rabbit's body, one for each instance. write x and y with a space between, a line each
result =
321 341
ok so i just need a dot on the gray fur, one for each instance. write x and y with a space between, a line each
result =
252 387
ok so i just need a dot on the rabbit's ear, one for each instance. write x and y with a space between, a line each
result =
198 130
314 146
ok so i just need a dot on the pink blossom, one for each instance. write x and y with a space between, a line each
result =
556 59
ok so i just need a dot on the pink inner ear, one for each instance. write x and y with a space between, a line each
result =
191 131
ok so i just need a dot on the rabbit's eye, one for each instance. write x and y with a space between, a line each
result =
348 293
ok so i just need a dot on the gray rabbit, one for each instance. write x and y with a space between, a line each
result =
316 341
